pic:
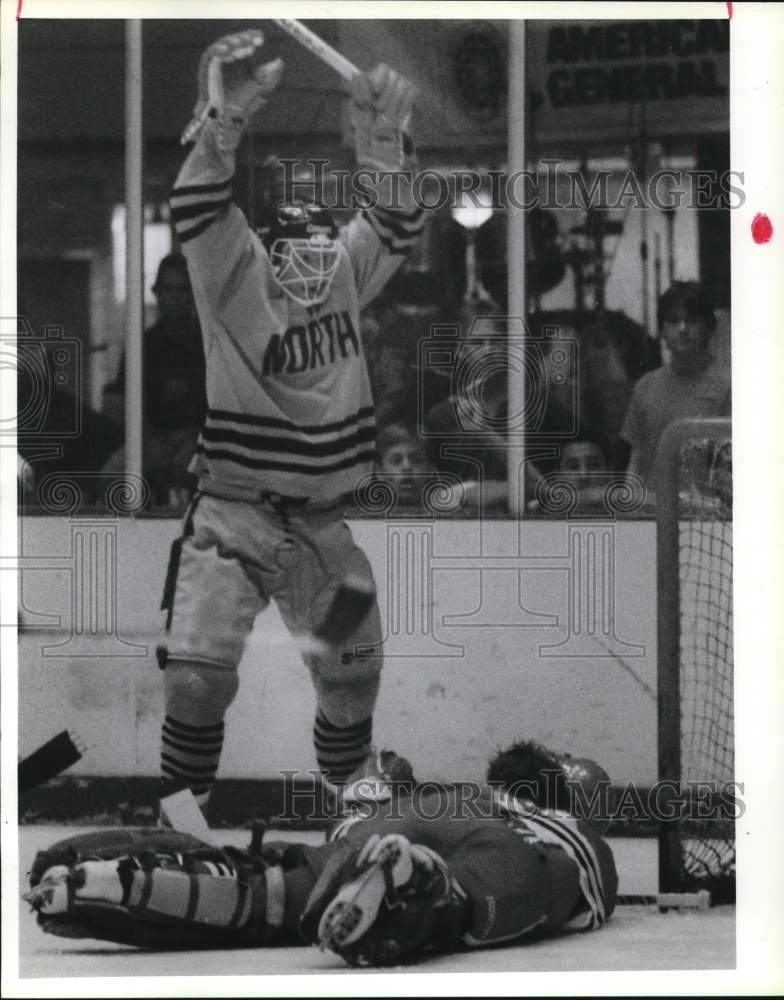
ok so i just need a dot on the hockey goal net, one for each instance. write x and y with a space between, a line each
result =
695 653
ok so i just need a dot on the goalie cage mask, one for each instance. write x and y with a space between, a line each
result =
301 241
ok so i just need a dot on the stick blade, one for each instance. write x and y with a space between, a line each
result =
183 813
352 601
57 754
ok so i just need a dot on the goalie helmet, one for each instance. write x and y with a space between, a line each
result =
301 241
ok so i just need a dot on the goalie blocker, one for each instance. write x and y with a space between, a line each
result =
431 873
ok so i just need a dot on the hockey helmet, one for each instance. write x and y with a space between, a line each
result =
301 241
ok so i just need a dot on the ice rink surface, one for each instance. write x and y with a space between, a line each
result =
636 938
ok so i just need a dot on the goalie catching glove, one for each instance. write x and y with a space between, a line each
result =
384 903
381 117
233 85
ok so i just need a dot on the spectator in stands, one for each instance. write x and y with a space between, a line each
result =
174 386
693 382
390 339
469 430
582 458
404 463
393 378
614 352
582 463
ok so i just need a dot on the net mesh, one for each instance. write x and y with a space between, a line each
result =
707 842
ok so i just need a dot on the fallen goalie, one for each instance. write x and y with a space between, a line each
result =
447 869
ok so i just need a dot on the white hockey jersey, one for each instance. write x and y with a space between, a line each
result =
289 403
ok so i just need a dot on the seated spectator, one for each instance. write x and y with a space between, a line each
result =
174 386
580 458
693 381
581 465
468 430
404 464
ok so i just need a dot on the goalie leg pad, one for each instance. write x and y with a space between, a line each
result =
166 845
164 898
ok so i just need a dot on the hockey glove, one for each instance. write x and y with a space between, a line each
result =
380 116
233 85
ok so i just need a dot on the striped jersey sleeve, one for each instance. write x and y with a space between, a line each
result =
378 241
212 231
195 207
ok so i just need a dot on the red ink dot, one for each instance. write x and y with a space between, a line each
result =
19 9
761 228
729 10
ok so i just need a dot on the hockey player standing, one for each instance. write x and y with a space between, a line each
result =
290 423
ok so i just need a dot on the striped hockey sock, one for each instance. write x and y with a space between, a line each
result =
340 749
189 757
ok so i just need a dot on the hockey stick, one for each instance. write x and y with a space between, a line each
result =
184 815
49 760
352 601
323 50
700 900
309 40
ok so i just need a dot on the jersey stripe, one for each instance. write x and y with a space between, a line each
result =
363 413
188 189
402 225
283 446
553 830
578 848
181 213
295 467
191 233
291 446
194 201
392 230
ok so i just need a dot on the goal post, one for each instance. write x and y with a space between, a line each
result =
695 657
